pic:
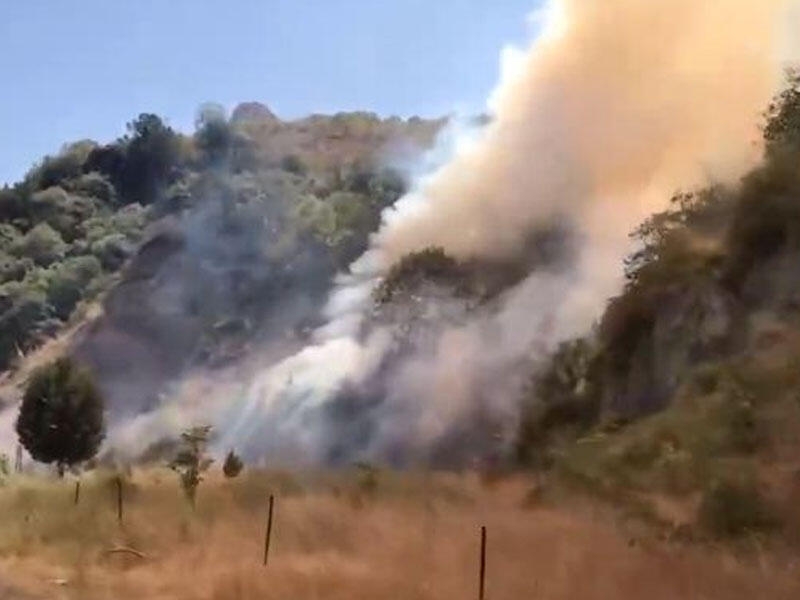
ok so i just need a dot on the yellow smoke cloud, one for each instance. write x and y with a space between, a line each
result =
615 106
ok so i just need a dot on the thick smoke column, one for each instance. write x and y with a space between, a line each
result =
618 105
615 106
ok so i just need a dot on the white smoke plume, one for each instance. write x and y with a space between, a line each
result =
616 105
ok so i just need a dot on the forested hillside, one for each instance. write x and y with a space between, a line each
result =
187 237
690 381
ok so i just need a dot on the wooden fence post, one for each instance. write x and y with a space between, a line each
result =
268 534
77 491
119 500
482 575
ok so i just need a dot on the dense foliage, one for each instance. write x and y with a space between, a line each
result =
61 416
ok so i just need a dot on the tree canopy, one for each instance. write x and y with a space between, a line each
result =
61 417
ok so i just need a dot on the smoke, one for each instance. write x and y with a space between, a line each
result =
615 106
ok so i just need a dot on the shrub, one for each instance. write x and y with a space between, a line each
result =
55 169
94 185
191 460
112 251
25 309
367 478
14 269
564 394
69 281
233 465
42 244
13 204
63 211
429 264
61 417
214 136
8 235
731 508
293 164
782 127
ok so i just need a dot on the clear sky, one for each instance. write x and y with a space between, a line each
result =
74 69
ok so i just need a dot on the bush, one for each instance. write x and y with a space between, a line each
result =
67 164
233 465
94 185
214 136
25 309
191 460
68 283
13 205
430 264
782 128
293 164
112 251
732 508
8 235
63 211
564 394
61 417
14 269
42 244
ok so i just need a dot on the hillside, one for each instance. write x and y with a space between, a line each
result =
165 255
188 241
688 387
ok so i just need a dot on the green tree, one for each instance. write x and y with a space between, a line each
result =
152 154
141 163
782 128
192 461
214 137
61 417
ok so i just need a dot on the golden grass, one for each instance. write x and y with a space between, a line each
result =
413 537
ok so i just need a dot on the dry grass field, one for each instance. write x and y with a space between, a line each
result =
349 536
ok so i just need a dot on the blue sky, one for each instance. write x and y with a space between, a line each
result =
74 69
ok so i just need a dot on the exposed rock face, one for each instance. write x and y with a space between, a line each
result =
692 325
702 323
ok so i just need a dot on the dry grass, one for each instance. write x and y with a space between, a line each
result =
412 537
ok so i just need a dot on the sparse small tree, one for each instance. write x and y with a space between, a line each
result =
233 465
192 461
61 417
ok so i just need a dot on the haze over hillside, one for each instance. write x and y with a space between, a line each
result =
348 287
564 332
195 247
